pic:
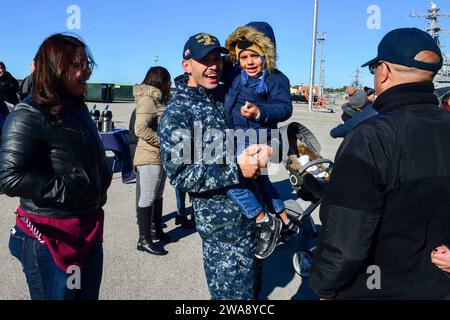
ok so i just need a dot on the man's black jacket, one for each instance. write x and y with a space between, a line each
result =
388 203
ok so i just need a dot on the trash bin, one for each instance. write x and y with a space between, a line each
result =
94 92
123 93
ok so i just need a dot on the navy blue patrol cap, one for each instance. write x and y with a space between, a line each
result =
400 46
200 45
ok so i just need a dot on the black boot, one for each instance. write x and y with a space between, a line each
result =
157 230
145 243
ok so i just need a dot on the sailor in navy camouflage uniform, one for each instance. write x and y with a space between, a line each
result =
229 238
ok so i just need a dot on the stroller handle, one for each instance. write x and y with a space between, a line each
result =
313 163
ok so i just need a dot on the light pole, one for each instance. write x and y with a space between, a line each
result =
313 56
155 60
321 36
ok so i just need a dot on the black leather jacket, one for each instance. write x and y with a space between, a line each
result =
56 165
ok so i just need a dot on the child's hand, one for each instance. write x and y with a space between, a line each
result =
250 111
441 258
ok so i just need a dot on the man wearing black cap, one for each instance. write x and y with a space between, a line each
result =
388 203
196 115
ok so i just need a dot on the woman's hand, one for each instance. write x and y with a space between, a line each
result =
441 258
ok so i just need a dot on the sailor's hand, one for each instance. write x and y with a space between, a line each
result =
264 155
250 111
248 162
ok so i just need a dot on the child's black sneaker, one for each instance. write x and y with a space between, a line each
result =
269 232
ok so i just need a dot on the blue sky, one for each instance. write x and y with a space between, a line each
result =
124 36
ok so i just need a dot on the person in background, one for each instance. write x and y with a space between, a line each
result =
181 217
367 112
357 100
132 139
371 94
52 158
27 84
151 97
446 102
8 86
1 126
4 111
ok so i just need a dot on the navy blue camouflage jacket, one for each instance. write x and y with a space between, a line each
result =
192 137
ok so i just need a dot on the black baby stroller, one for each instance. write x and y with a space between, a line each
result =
308 188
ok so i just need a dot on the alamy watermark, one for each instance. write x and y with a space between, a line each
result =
214 146
374 280
74 280
374 20
73 22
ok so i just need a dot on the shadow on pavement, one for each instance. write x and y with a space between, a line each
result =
278 269
179 232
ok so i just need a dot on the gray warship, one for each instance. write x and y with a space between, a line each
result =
433 17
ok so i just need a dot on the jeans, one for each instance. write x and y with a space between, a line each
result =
245 194
46 281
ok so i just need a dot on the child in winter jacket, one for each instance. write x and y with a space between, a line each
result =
258 99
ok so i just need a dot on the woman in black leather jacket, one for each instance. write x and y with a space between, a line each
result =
52 158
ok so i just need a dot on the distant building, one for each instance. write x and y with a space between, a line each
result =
303 90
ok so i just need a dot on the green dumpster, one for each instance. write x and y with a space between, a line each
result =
123 93
94 92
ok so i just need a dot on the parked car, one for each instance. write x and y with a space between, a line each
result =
301 98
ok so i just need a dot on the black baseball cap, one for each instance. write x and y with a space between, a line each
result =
400 46
200 44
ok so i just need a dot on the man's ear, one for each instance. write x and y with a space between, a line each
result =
384 74
186 66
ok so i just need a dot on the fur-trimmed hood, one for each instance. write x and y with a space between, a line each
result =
146 90
260 33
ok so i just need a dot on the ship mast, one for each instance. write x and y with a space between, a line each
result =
356 83
433 17
434 29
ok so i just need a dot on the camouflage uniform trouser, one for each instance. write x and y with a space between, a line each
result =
229 241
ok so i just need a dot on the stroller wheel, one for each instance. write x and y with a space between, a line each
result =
302 261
